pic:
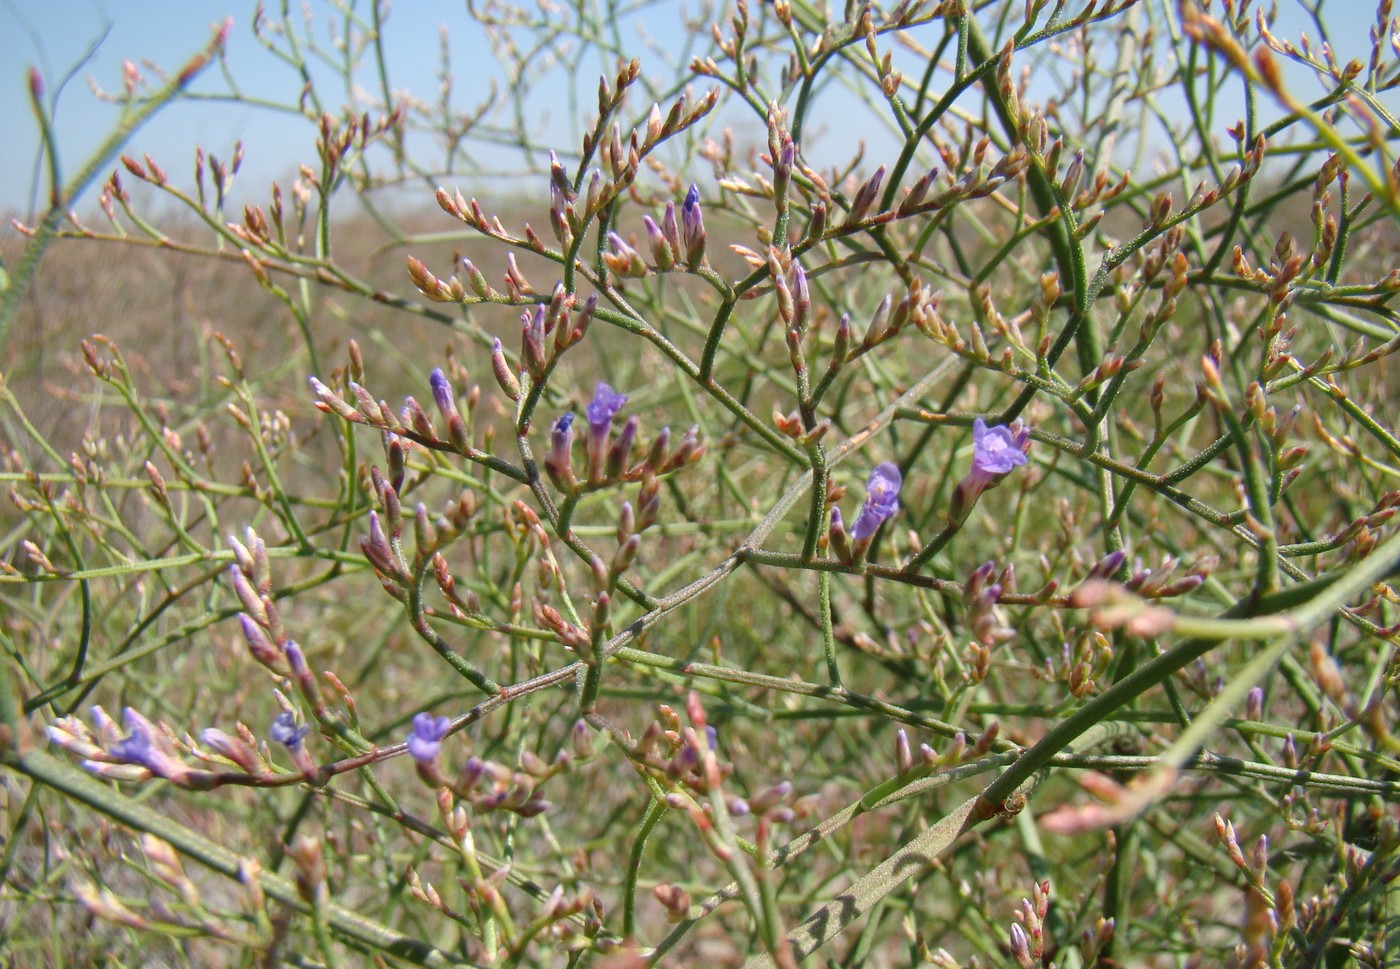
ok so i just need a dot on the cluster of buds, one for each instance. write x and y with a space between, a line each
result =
1360 534
1094 939
975 346
148 749
981 592
266 638
578 638
339 137
383 544
1282 277
1161 582
1114 607
570 211
165 871
550 329
1028 931
573 921
959 749
609 453
1087 660
1270 914
623 157
413 422
453 290
905 755
677 754
586 639
671 243
686 760
572 203
674 899
271 647
976 181
221 174
485 785
144 750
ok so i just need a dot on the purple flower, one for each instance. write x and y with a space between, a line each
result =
881 501
996 450
285 731
143 746
135 748
425 739
603 408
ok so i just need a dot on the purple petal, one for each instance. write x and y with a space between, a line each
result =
603 408
996 450
881 500
425 739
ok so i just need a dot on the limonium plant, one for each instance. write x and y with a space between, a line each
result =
905 485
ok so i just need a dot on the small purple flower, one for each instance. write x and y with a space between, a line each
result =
881 501
603 408
135 748
425 739
284 730
997 450
143 746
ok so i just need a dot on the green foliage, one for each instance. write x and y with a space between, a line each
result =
974 550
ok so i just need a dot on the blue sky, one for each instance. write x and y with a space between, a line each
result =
57 35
